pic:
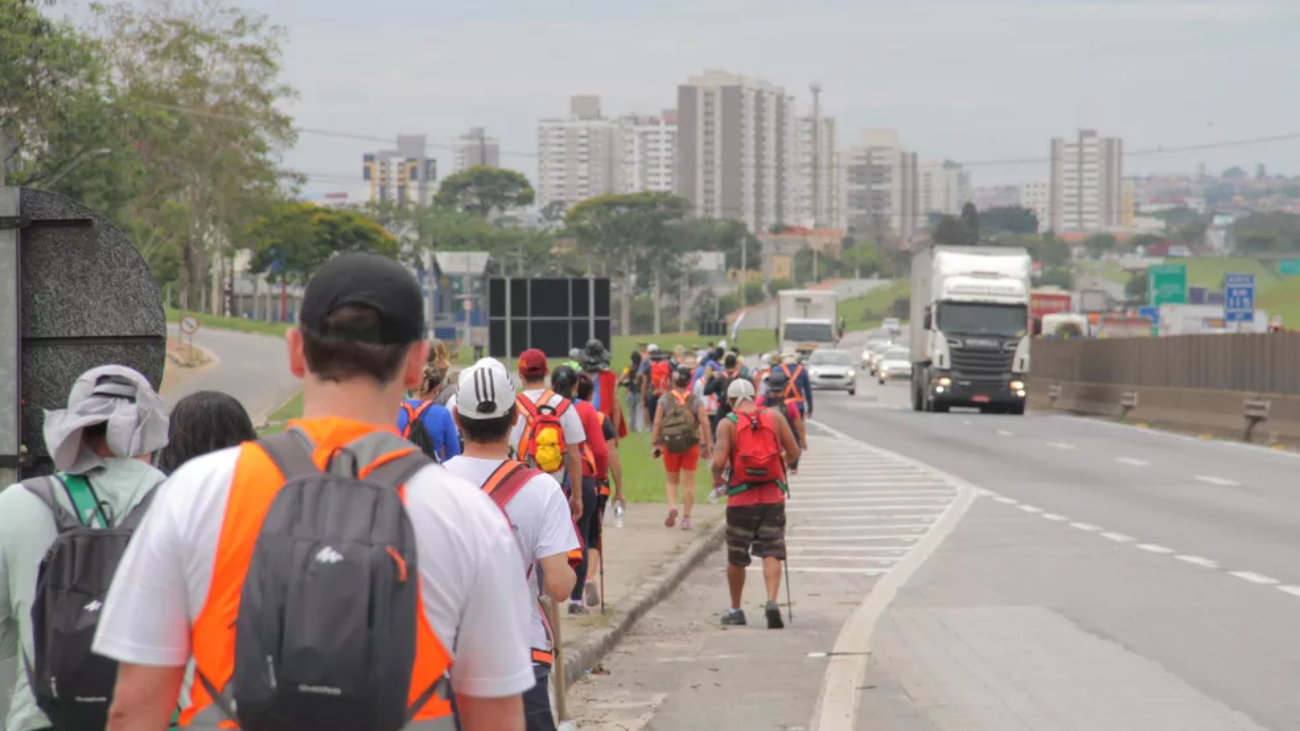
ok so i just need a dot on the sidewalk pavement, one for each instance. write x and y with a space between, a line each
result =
635 553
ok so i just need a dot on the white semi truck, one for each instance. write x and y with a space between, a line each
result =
805 320
970 328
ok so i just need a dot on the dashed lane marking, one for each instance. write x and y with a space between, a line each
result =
1155 548
1224 482
1055 517
1086 526
1198 561
1292 590
828 570
1006 500
1133 461
1117 537
1060 445
1254 578
1031 509
1004 433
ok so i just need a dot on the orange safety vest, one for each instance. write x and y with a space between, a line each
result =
791 392
256 483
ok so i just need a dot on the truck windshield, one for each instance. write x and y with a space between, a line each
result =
970 318
813 332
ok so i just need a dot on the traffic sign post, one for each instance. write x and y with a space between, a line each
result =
189 326
1152 314
1239 298
1167 284
1289 267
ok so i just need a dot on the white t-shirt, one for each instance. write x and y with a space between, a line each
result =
468 563
539 514
570 422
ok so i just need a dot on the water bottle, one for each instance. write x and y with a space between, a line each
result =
715 495
618 514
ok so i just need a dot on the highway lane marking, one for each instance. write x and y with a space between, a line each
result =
1007 500
832 557
1292 590
1117 537
850 539
1217 480
891 536
1133 461
1054 516
1031 509
1198 561
927 518
853 493
828 570
1005 433
1254 578
852 549
1086 526
872 497
1060 445
862 508
1155 548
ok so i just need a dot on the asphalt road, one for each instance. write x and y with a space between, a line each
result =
1107 578
252 368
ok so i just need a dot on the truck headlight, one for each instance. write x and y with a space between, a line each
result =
1017 385
943 381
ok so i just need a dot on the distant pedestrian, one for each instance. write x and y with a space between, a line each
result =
202 423
100 445
680 435
426 423
549 433
594 451
605 473
256 559
799 387
754 445
535 506
774 399
635 409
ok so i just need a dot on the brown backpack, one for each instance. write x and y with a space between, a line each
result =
679 430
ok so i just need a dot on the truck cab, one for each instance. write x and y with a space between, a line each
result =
970 337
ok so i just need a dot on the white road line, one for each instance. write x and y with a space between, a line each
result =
859 539
866 559
853 549
984 493
883 497
965 422
1117 537
1060 445
1254 578
1031 509
1217 480
801 494
1198 561
1155 548
1055 516
829 570
1004 433
864 508
1085 526
1292 590
1135 462
1007 500
884 519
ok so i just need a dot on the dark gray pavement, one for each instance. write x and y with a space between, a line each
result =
253 368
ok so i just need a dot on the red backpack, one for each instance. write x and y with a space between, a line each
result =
661 377
756 455
542 443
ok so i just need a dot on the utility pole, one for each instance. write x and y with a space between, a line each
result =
4 154
816 154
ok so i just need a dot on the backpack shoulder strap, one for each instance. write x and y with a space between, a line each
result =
414 414
507 480
133 518
43 489
395 472
527 404
291 451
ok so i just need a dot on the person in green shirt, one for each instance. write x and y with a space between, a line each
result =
101 446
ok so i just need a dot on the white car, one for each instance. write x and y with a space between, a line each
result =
871 354
832 370
895 365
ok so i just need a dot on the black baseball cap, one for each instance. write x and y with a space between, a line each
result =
371 281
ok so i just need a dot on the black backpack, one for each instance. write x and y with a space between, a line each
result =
327 625
73 686
417 433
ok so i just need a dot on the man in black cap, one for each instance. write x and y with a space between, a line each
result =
176 594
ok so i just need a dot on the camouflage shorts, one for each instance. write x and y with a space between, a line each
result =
757 530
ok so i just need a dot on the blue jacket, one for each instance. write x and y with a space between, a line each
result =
441 427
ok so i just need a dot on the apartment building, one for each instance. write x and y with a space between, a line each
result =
577 158
1087 183
476 149
882 187
735 148
815 174
1037 197
648 153
944 187
404 175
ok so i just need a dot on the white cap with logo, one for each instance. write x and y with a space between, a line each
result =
485 392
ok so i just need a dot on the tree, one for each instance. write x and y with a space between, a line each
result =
200 81
553 213
292 240
1008 219
1099 244
950 232
1057 277
1143 240
630 233
481 190
970 221
1051 251
1136 287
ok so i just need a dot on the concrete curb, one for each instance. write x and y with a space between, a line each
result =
583 654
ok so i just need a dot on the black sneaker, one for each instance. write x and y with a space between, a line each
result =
734 618
773 613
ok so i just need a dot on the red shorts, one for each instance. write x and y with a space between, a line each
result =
688 460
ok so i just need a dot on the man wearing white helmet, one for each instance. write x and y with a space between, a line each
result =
752 447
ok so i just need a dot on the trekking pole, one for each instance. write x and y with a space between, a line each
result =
557 664
601 548
789 602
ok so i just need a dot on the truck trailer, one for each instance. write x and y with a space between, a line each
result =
970 328
806 320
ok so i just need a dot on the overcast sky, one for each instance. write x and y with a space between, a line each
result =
963 79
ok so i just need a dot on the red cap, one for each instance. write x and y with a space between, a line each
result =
533 363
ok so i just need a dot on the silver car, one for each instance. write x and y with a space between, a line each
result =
871 354
895 365
832 370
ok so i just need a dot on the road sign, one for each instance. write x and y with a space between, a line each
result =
1150 313
1239 297
1289 267
189 324
1167 284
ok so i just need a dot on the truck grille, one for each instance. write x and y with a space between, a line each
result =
981 364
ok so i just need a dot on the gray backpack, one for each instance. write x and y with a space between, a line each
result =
327 623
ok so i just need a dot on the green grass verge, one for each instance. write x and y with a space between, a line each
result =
866 311
1110 271
291 409
238 324
644 477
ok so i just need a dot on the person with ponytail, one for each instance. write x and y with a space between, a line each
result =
595 462
424 421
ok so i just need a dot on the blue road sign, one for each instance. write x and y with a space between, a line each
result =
1150 313
1239 297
